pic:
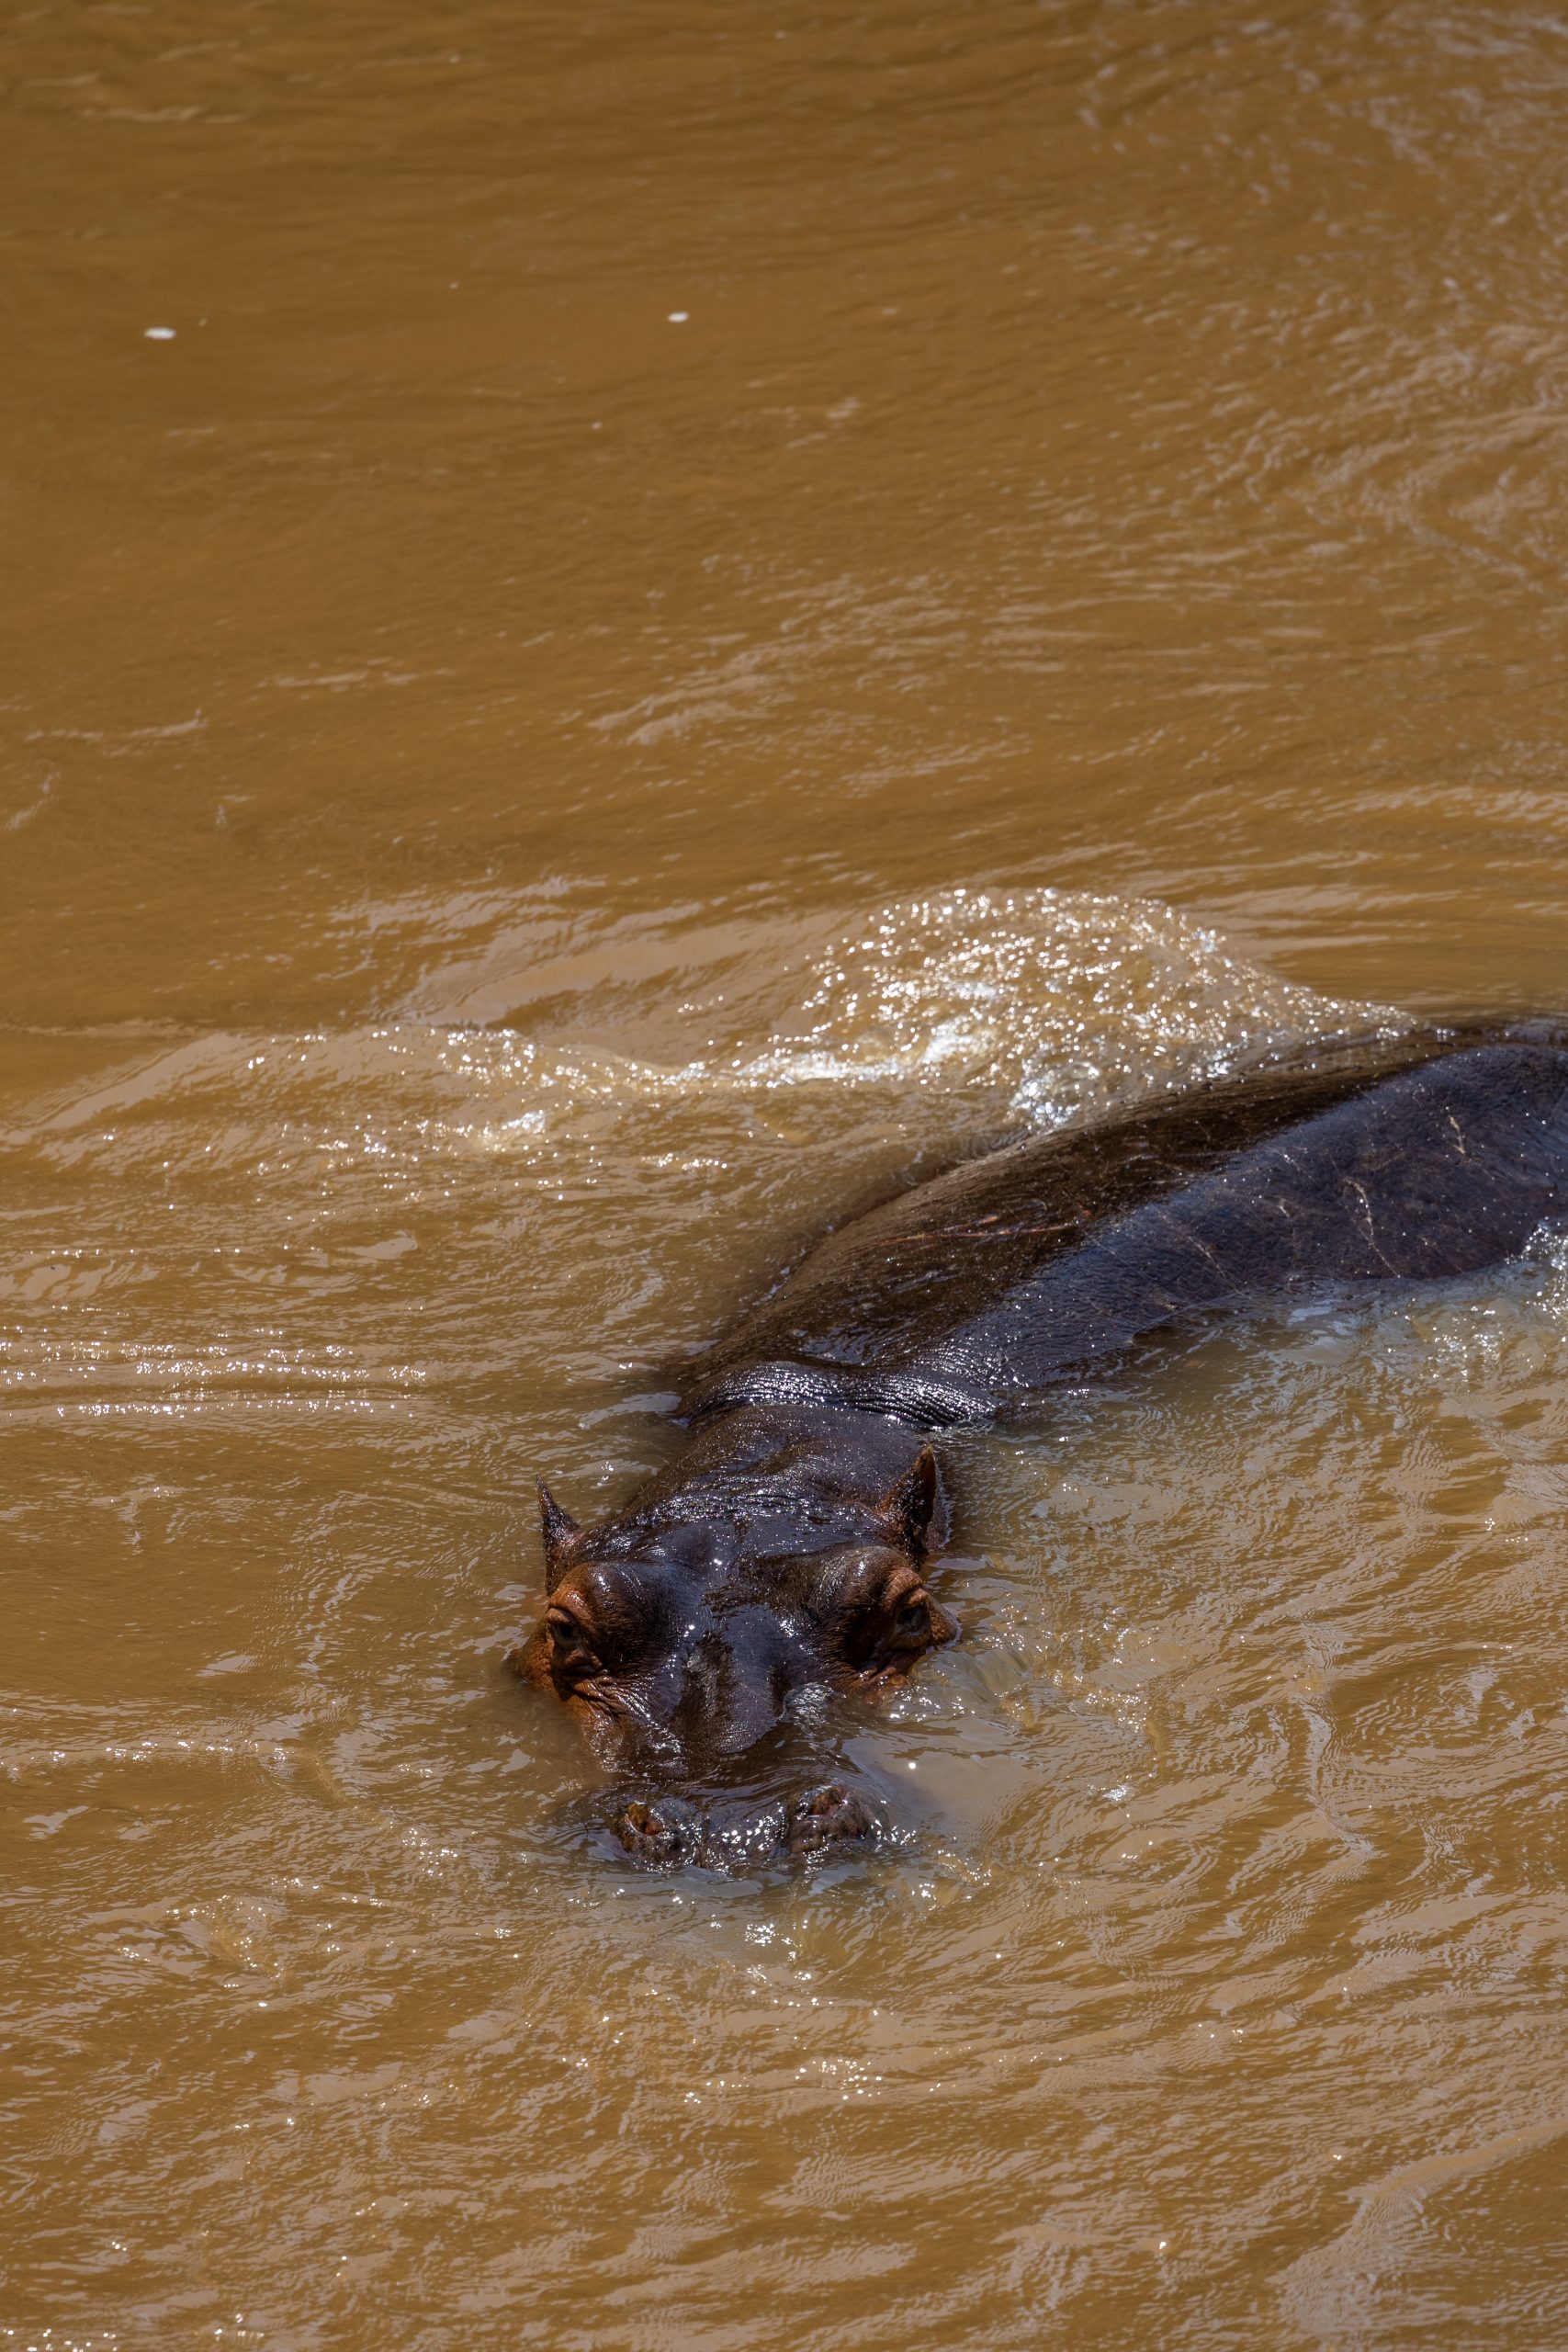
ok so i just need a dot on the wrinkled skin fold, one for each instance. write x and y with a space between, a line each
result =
785 1553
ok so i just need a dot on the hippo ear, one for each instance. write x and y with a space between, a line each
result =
560 1527
910 1505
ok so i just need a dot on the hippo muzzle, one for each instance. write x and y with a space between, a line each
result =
667 1832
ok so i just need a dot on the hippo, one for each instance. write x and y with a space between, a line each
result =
786 1551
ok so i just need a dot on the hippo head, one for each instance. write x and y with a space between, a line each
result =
680 1647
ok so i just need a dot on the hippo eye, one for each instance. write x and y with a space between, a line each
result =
572 1656
892 1627
910 1626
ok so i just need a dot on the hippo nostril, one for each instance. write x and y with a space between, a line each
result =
830 1815
660 1836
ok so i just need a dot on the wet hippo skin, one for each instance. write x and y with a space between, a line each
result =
782 1554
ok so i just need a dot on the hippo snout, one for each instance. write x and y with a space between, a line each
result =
671 1833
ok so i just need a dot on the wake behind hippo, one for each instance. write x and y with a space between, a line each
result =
781 1554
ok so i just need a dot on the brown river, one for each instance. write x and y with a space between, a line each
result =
621 629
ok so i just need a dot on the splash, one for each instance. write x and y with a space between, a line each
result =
1065 1003
1050 1005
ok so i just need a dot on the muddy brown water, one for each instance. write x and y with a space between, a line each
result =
691 608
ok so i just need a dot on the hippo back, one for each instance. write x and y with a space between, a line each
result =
1429 1155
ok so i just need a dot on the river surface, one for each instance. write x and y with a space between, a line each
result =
624 628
